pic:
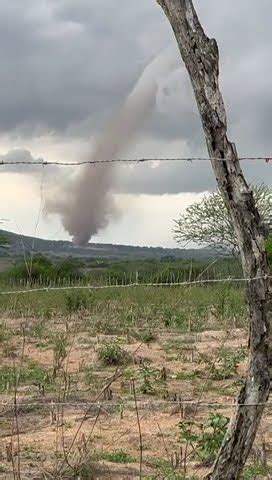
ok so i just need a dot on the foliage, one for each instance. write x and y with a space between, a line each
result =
5 333
60 351
147 376
118 456
68 268
41 269
226 366
47 271
145 337
87 470
208 223
75 302
31 373
256 471
228 363
113 354
168 472
205 439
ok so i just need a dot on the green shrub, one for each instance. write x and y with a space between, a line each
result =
42 269
145 337
205 439
167 471
228 363
75 302
113 354
30 374
256 471
69 268
60 351
117 457
147 376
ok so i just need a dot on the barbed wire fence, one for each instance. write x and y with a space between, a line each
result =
56 407
134 285
46 163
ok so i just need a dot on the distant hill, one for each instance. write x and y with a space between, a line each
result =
20 244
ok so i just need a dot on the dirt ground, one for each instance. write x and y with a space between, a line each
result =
67 418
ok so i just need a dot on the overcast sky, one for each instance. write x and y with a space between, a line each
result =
67 66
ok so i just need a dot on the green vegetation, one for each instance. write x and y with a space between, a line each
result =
87 470
117 456
76 301
113 354
82 335
147 337
60 343
229 360
147 377
208 222
256 471
168 472
42 270
205 439
226 365
30 373
183 309
118 311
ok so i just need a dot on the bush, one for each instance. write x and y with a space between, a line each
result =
256 471
206 439
39 269
75 302
42 269
113 354
69 268
117 457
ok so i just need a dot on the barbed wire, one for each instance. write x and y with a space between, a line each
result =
142 404
136 284
127 160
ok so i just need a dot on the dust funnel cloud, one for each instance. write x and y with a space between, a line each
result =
86 204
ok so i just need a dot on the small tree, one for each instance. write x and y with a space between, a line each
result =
208 222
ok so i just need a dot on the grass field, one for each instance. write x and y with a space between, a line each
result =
108 383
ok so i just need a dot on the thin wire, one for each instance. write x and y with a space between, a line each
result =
133 285
126 160
142 404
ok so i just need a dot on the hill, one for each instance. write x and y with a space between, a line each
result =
17 245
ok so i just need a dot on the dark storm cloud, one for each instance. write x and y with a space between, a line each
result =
67 65
173 177
65 62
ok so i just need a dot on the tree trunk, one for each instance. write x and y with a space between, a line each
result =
201 57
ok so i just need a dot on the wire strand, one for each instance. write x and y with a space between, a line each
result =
127 160
134 285
142 404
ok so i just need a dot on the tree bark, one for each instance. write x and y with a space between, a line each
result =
201 57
